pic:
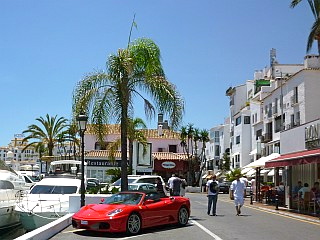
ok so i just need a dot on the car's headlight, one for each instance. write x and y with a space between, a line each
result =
114 212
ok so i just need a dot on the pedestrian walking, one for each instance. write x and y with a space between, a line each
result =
170 183
160 188
213 190
176 183
237 193
183 186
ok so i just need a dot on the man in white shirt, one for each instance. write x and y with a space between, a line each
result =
213 190
238 191
170 183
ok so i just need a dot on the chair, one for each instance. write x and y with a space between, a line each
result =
312 202
306 200
302 203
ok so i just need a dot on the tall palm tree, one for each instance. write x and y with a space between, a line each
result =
203 138
315 29
46 132
187 142
109 95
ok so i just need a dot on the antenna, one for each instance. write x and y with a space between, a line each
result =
273 55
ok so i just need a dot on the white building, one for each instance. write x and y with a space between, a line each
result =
240 125
16 156
218 145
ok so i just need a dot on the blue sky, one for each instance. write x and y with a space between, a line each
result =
46 47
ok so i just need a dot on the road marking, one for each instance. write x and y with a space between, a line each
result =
74 230
206 230
132 237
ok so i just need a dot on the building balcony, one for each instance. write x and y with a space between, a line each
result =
266 138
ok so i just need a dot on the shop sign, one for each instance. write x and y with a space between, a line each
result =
168 165
312 136
103 163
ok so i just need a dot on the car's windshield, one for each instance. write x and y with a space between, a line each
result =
47 189
133 187
118 182
124 198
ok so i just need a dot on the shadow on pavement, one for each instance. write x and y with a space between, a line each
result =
122 235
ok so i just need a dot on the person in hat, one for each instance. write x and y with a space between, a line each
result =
237 193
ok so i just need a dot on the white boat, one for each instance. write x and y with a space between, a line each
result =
48 199
11 185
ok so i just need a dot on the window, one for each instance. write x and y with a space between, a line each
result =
275 108
238 121
99 146
246 120
295 95
277 124
258 133
173 148
238 139
216 137
216 150
298 118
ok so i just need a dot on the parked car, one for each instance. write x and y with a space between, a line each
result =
92 183
224 187
144 187
132 211
137 179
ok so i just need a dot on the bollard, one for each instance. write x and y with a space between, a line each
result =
251 197
277 202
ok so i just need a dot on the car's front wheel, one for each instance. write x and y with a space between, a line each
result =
183 216
133 224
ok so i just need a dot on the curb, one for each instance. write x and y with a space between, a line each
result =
49 230
289 214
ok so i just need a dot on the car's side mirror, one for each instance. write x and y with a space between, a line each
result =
146 202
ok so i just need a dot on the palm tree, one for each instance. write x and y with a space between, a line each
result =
47 132
203 138
187 141
315 29
109 95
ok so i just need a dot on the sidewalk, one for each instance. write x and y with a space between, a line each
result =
284 211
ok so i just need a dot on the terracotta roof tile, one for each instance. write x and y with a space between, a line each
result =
149 133
169 156
102 154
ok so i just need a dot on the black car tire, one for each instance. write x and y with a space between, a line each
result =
183 216
134 224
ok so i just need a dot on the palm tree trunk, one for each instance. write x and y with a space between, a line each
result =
124 137
130 156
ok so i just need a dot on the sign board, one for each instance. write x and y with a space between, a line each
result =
144 155
168 165
312 136
103 163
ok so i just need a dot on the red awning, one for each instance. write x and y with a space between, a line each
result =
297 158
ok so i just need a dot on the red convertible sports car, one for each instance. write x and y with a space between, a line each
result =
132 211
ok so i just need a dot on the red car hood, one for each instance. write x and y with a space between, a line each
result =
98 211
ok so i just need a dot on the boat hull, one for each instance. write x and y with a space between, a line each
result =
8 217
31 221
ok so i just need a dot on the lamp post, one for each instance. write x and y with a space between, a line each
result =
82 124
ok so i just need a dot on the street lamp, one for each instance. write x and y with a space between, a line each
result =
82 124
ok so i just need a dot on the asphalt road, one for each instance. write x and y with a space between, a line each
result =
252 224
